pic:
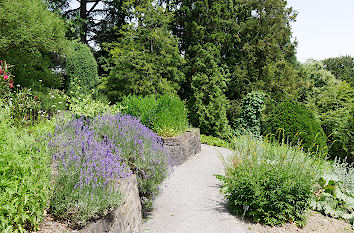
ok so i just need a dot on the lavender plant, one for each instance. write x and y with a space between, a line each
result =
142 149
90 155
87 167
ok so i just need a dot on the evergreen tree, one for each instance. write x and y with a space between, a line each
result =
147 59
254 38
208 102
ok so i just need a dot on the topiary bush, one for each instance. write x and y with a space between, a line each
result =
296 122
81 68
165 115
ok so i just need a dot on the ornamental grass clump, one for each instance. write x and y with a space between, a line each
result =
87 167
270 183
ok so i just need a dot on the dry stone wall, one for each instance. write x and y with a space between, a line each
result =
183 146
127 217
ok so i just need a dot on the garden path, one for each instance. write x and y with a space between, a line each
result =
190 199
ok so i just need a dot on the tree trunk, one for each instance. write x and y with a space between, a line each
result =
83 16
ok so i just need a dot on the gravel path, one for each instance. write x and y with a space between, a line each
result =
190 201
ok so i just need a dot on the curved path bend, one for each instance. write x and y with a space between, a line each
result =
190 199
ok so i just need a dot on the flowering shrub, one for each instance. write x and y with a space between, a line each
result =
6 82
88 166
270 183
142 149
90 155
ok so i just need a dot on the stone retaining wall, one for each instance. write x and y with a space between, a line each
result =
183 146
127 217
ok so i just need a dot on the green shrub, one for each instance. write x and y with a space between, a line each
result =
165 115
214 141
81 66
250 116
269 183
333 107
296 122
33 41
24 177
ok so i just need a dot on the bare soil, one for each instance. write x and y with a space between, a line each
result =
316 223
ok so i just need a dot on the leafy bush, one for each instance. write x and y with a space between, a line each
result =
250 116
165 115
87 106
33 41
208 101
24 177
52 99
214 141
335 192
81 66
88 167
333 107
269 183
296 122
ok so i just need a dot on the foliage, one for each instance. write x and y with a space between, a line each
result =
254 38
208 102
142 149
333 106
88 166
23 106
52 99
331 101
165 115
24 177
269 183
86 105
296 123
315 77
147 59
214 141
335 192
250 116
341 67
81 66
6 80
89 107
33 41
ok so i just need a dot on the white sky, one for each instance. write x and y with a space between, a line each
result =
324 28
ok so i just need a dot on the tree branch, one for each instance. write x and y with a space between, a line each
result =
72 10
93 7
